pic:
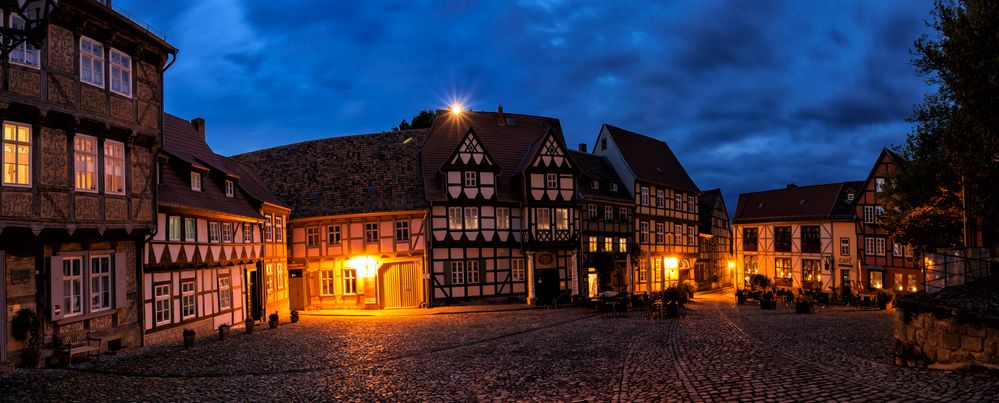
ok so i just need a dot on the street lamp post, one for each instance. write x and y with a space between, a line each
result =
35 16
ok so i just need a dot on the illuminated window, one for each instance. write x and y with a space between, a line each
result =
196 181
502 218
810 270
471 218
517 268
312 237
544 219
16 154
622 245
121 73
875 279
114 167
188 309
472 272
349 281
782 266
608 244
173 228
457 272
85 157
561 219
190 229
371 232
91 62
642 274
593 244
334 235
24 54
225 292
454 218
161 296
282 276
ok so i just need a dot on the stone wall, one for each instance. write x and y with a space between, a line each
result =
924 339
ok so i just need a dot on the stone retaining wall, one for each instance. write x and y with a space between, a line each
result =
924 339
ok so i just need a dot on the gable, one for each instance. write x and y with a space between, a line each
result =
470 152
551 154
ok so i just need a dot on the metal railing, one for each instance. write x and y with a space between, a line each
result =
957 267
142 24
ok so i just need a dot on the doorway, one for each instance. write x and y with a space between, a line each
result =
845 282
296 289
254 295
400 286
546 286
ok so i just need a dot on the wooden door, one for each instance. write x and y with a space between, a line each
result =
401 286
296 289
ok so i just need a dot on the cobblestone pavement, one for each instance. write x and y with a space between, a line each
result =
716 351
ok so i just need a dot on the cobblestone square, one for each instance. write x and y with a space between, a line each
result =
716 351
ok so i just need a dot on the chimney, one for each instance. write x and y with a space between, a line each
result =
199 126
791 185
582 147
499 116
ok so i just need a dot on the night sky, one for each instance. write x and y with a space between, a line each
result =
751 95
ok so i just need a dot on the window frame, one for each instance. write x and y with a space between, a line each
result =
869 246
188 299
551 181
471 218
518 270
660 199
175 233
471 179
457 272
312 237
844 246
196 181
334 234
24 48
230 191
402 231
543 218
167 303
503 218
643 232
122 70
472 272
227 233
225 292
95 60
214 232
327 283
561 219
754 245
644 198
268 228
454 218
190 232
278 228
881 246
16 143
813 243
114 161
88 158
107 288
247 232
783 239
67 297
349 277
369 229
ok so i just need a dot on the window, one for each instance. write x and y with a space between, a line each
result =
691 205
279 228
879 184
880 246
173 228
680 239
811 241
660 233
229 191
471 179
517 269
196 181
678 202
691 236
457 272
402 230
868 214
594 184
472 272
187 297
591 210
645 196
326 283
849 197
454 218
268 227
782 267
642 274
225 293
782 239
312 237
114 167
844 246
551 181
657 270
608 213
121 73
269 275
911 279
247 233
85 159
751 265
660 199
371 232
100 283
349 281
190 229
878 213
91 62
613 187
161 295
749 239
24 54
471 218
898 281
227 232
214 235
593 244
544 219
875 279
282 276
608 244
334 235
502 218
643 236
897 250
16 154
561 219
622 214
622 245
810 270
869 246
72 286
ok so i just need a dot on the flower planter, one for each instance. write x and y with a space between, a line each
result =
272 320
249 326
673 310
223 332
804 307
294 316
188 338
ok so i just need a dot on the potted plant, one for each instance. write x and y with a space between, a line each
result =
294 316
690 286
26 326
740 297
249 325
223 331
272 320
188 338
768 301
884 297
804 305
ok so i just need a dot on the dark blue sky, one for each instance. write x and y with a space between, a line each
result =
750 95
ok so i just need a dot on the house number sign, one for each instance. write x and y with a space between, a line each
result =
545 259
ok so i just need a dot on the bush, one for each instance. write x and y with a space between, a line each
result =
759 281
26 326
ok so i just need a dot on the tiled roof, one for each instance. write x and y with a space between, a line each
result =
797 203
186 148
597 167
366 173
651 160
508 140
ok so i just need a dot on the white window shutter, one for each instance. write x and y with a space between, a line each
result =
55 285
121 267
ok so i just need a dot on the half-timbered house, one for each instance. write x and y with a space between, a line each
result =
358 216
81 124
209 263
666 204
800 237
503 208
606 227
884 263
715 267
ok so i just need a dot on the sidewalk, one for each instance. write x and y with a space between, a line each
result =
444 310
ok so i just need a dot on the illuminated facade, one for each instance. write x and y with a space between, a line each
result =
666 206
800 237
883 262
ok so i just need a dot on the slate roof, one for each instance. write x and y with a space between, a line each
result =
706 209
367 173
651 160
509 140
187 150
798 203
598 167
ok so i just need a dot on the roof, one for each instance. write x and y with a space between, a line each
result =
651 160
367 173
706 209
187 150
798 203
508 139
598 167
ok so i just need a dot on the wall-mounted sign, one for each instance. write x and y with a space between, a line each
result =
545 259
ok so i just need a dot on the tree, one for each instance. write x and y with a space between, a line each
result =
949 159
422 121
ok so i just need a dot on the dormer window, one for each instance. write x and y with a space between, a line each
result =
595 184
228 188
471 179
196 181
849 197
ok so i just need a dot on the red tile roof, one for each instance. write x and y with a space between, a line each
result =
798 203
599 168
651 160
509 140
